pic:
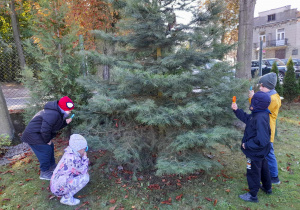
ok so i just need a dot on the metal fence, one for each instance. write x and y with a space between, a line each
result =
15 94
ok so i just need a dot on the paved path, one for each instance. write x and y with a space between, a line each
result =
16 95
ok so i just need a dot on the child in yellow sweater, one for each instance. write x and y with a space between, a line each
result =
267 85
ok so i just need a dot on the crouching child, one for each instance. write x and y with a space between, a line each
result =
71 173
256 144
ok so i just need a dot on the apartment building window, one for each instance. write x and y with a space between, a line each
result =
280 34
271 17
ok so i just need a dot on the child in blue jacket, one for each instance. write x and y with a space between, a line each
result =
256 144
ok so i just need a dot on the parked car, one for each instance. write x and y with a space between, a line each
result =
267 66
296 65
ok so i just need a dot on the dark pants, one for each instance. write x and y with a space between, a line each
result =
258 171
45 155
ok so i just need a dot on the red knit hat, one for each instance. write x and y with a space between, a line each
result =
66 104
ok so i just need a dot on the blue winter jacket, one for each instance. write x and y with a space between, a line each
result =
257 133
44 125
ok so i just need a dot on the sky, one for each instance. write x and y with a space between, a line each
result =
263 5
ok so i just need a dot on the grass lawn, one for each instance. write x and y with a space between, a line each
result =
21 188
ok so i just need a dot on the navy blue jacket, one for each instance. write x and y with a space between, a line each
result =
44 125
257 133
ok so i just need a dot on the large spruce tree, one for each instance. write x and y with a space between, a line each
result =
162 109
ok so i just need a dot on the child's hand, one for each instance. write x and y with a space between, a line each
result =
234 106
68 120
251 93
243 145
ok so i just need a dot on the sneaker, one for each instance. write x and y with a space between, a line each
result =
248 197
269 192
52 168
275 180
46 175
70 201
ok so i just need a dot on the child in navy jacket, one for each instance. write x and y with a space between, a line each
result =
256 144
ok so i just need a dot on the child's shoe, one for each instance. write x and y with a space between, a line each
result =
69 201
269 192
275 180
249 197
46 175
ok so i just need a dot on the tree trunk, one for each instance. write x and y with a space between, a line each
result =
16 34
244 51
6 126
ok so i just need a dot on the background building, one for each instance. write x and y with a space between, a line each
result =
279 29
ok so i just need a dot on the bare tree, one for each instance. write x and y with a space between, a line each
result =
16 33
6 126
244 51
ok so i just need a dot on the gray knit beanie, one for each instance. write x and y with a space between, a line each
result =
77 142
269 80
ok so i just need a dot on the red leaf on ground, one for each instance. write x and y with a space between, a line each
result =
228 190
9 171
168 202
247 190
288 155
215 202
27 180
288 168
209 199
179 197
113 207
154 187
6 199
18 206
85 203
112 201
81 196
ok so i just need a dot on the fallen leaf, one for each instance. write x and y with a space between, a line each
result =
112 201
81 196
168 202
209 199
215 202
85 203
6 199
27 180
113 207
179 197
228 190
154 187
126 196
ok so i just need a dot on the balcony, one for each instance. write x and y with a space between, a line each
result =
272 43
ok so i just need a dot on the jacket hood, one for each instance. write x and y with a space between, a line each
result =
53 106
260 101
